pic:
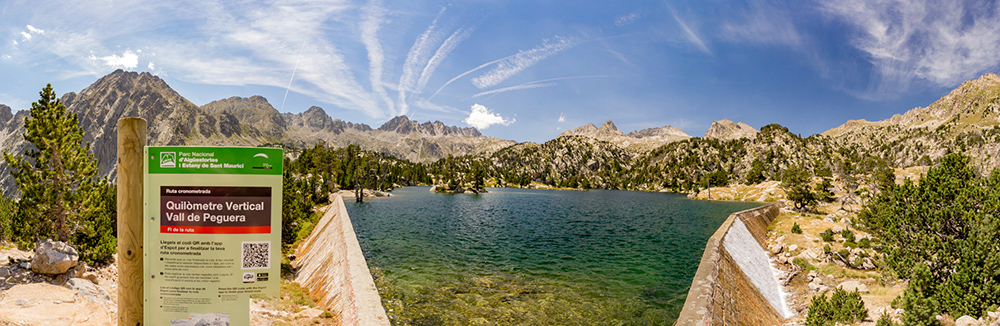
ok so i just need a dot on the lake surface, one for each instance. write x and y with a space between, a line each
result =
535 257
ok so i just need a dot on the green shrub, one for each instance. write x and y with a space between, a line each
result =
844 253
865 243
842 307
847 235
885 320
796 229
826 249
827 235
850 244
803 264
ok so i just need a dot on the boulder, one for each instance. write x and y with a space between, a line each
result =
54 257
847 223
851 286
793 247
967 321
88 290
75 272
830 218
776 248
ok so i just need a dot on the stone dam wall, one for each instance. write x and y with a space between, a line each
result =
723 293
330 264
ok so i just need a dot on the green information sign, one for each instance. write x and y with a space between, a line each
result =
212 233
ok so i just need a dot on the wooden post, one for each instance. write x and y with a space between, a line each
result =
131 142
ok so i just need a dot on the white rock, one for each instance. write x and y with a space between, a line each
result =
851 286
967 321
847 223
830 218
813 286
793 247
86 289
53 257
837 230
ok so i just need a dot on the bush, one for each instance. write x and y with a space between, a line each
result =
885 320
796 229
827 235
803 264
843 307
826 249
847 235
865 243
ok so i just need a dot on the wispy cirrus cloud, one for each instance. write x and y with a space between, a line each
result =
513 65
373 16
904 40
689 33
764 23
418 54
531 85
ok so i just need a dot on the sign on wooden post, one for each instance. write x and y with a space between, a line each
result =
212 233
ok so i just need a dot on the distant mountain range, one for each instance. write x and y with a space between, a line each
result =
235 121
965 119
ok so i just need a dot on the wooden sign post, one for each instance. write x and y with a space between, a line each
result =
131 141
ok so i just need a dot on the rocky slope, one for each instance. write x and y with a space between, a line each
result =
235 121
639 140
726 130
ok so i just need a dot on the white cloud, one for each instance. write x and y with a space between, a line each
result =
626 19
15 42
151 66
25 36
943 44
764 23
690 33
482 118
373 16
522 60
419 53
562 117
442 52
34 30
513 88
128 60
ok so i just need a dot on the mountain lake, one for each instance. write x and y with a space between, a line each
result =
535 257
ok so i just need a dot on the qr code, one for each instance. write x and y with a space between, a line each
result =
256 254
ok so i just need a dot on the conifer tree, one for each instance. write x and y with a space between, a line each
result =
56 176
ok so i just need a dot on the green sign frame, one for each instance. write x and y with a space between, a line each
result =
212 232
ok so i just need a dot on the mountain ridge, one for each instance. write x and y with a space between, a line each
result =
233 121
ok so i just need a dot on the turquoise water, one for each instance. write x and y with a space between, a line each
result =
535 257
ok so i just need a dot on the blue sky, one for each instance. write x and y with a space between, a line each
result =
520 70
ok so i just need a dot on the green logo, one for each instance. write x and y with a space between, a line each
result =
168 159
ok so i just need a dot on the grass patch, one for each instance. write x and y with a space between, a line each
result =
840 272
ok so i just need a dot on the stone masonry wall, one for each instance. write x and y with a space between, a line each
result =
330 264
721 294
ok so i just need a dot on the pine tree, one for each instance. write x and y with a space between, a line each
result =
56 177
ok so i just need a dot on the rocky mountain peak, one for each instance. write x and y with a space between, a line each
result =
666 133
403 125
608 129
5 114
588 130
726 129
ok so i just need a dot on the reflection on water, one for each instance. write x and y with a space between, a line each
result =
535 257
